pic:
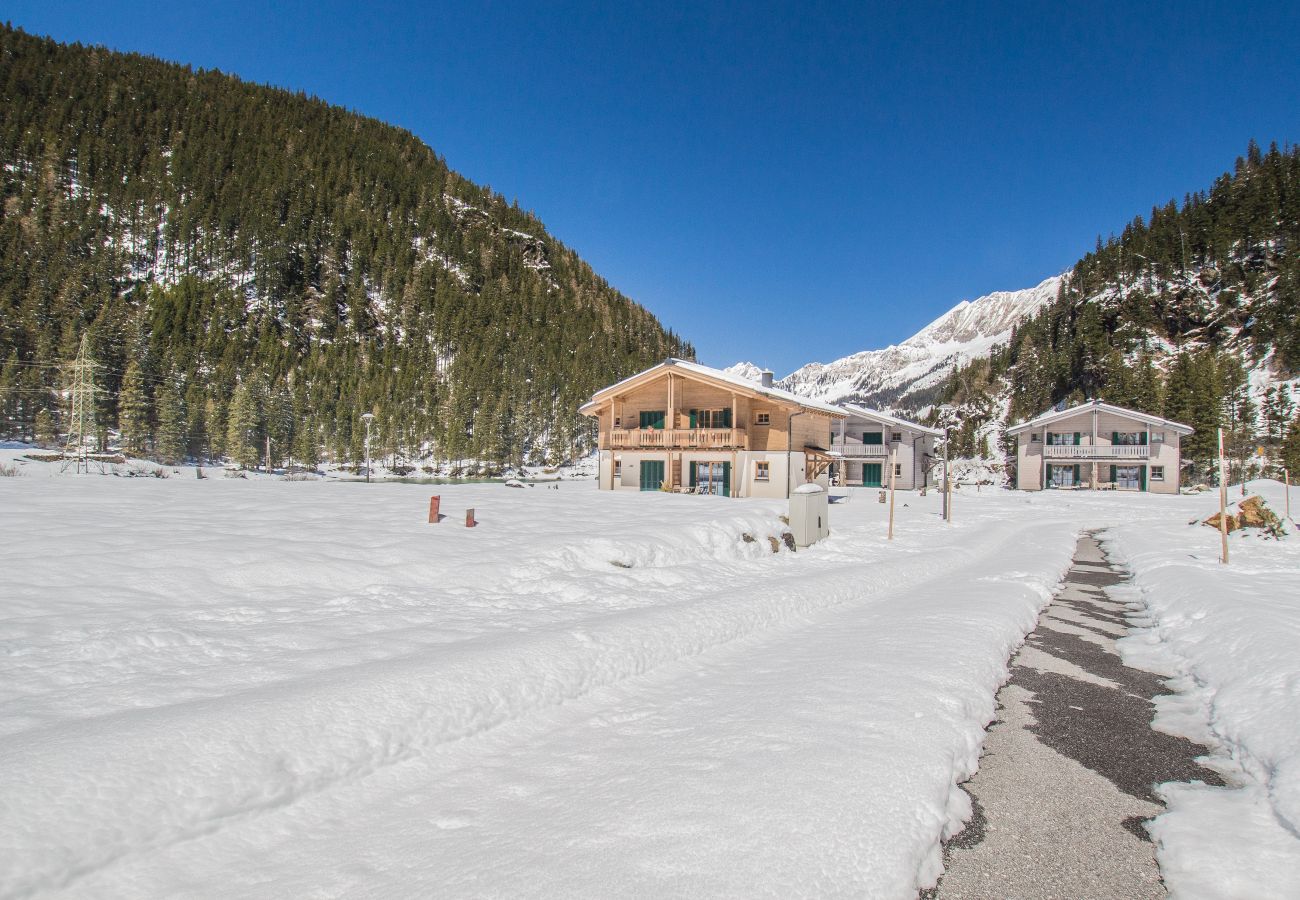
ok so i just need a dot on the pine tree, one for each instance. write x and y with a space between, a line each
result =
46 433
133 411
242 432
170 446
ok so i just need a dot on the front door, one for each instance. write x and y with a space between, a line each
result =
1128 478
652 474
1062 476
870 474
711 478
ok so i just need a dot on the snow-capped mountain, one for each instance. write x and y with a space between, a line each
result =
900 374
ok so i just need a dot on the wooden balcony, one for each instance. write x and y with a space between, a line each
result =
678 439
1100 451
850 450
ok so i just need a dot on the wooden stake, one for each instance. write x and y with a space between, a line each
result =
893 455
1287 476
434 502
1223 503
470 521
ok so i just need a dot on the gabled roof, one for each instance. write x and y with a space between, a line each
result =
861 412
1051 416
710 374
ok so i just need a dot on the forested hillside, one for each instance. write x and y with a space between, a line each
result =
249 263
1175 315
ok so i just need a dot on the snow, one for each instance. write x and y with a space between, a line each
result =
266 688
1230 637
811 487
968 331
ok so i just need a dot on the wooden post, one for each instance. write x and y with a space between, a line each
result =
470 522
434 503
893 455
1223 504
1287 476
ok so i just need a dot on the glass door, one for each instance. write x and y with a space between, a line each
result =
712 478
1128 478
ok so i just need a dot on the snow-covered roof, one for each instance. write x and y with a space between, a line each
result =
875 415
1048 418
716 375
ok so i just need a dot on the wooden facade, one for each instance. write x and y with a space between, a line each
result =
698 429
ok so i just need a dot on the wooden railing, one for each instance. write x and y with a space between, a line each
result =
679 439
1099 451
858 450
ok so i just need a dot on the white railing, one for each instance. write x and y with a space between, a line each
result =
1100 451
678 438
859 450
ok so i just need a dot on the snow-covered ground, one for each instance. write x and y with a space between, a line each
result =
1229 637
264 689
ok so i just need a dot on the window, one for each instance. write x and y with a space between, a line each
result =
763 419
652 418
898 470
1128 438
1036 439
617 421
762 471
1157 473
896 437
1063 438
1157 437
710 418
618 466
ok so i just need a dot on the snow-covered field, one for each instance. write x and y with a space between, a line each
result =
260 688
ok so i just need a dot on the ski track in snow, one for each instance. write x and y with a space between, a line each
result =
288 689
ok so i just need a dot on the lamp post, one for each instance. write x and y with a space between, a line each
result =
946 413
367 418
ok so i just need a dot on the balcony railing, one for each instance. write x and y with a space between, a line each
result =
679 439
859 450
1100 451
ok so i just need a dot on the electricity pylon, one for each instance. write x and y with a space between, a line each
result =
80 375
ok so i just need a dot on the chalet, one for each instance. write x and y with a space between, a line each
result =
1096 445
867 442
681 426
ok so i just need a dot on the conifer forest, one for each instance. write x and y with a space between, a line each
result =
1169 317
255 268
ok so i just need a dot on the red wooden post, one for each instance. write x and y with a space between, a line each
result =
434 502
469 518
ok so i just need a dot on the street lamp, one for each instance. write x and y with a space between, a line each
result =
946 415
367 418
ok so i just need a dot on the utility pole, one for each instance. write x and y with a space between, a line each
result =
946 484
1287 477
893 474
1223 503
368 418
81 417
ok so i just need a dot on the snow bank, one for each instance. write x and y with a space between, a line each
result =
1230 638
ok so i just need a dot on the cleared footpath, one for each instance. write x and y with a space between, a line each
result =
1068 769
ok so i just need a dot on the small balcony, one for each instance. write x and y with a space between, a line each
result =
678 439
1099 451
850 450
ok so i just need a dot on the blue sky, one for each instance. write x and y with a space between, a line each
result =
781 182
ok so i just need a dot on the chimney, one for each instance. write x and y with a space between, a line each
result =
767 378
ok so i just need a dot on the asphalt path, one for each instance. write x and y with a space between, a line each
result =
1067 776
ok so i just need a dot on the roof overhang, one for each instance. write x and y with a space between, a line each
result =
1097 405
712 376
875 415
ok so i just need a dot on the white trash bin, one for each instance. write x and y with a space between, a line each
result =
809 514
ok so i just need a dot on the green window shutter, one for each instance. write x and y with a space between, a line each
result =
1077 477
693 465
726 479
1142 473
726 418
1112 474
657 420
1143 438
694 413
873 438
1114 439
1078 438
